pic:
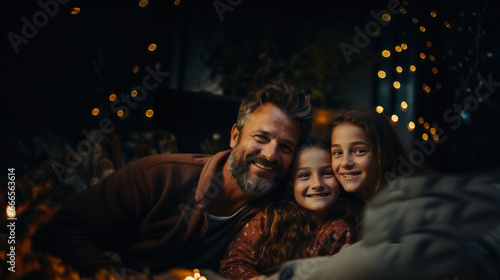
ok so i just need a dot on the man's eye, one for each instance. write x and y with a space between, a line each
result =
261 138
286 148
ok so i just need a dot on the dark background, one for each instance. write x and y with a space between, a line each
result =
74 62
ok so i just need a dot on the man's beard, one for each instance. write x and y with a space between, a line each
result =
253 185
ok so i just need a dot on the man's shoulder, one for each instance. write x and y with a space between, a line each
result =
177 159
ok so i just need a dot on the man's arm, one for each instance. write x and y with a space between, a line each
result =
98 216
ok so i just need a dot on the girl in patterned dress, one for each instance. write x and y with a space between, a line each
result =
310 221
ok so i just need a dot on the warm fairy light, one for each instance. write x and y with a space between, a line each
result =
152 47
411 126
422 55
386 17
75 11
10 211
394 118
158 65
95 111
399 69
404 105
421 120
396 84
404 46
435 137
379 109
415 20
447 25
177 2
381 74
135 69
432 130
386 53
431 57
434 70
133 93
149 113
438 85
196 276
426 88
422 29
143 3
403 11
433 13
428 44
112 97
425 136
413 68
398 48
427 125
405 2
119 113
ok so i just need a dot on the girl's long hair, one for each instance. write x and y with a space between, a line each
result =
287 232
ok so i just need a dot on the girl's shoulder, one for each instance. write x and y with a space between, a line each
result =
336 227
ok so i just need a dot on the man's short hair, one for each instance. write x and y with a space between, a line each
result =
292 101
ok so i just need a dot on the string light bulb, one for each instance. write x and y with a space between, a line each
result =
404 105
381 74
411 126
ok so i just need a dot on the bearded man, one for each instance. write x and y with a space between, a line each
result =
182 210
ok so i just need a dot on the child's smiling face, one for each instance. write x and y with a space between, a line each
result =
315 187
353 161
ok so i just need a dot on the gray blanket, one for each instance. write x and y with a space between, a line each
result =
439 227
